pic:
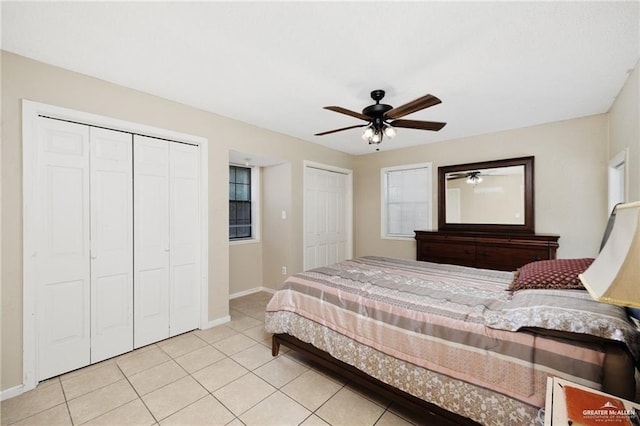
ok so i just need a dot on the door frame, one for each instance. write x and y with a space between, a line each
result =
348 205
617 176
30 112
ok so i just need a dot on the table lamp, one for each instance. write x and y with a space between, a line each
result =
614 276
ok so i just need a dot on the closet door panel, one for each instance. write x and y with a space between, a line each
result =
185 238
326 236
62 271
151 240
112 243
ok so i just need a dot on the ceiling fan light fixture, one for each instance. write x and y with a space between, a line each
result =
389 131
376 138
474 179
368 132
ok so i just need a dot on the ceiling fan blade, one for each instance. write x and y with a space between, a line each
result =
416 124
348 112
339 130
453 176
416 105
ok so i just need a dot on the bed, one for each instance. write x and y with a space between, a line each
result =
453 340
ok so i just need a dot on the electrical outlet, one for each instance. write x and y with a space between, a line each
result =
284 270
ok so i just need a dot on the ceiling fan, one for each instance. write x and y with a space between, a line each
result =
382 118
473 177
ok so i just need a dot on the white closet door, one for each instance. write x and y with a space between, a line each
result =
63 275
325 217
112 243
151 240
185 239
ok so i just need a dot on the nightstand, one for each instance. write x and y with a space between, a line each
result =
594 407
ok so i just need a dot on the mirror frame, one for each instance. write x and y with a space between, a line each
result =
529 218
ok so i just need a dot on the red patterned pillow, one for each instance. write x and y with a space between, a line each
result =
551 274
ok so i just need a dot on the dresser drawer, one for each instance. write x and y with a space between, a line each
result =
508 258
454 253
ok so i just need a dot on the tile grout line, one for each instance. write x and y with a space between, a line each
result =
237 416
21 419
342 386
211 392
66 401
139 396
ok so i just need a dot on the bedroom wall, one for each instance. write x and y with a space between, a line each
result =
624 129
23 78
276 181
570 181
244 277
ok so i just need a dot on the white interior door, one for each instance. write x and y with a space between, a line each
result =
151 236
78 246
326 236
111 243
184 225
62 266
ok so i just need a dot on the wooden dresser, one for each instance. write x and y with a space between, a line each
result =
505 252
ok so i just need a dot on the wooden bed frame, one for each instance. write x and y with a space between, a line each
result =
431 414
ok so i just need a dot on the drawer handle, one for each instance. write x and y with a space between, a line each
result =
536 257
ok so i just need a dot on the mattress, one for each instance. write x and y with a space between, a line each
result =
454 336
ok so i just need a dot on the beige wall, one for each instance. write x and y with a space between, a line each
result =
277 185
23 78
570 181
245 267
570 178
624 129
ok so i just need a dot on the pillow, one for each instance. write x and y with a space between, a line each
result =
551 274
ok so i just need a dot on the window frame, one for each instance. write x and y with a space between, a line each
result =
384 234
255 206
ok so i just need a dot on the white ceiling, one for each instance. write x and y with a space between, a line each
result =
495 65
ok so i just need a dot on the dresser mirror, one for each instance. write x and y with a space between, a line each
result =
491 196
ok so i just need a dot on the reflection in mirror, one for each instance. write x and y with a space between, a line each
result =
488 196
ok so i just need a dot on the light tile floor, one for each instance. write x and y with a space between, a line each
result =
221 376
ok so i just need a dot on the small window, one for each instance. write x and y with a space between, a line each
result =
406 200
240 215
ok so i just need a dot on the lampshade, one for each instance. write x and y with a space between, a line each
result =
614 276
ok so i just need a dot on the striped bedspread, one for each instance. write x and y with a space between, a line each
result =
445 333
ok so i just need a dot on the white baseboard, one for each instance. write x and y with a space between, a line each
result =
251 291
218 321
227 318
11 392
